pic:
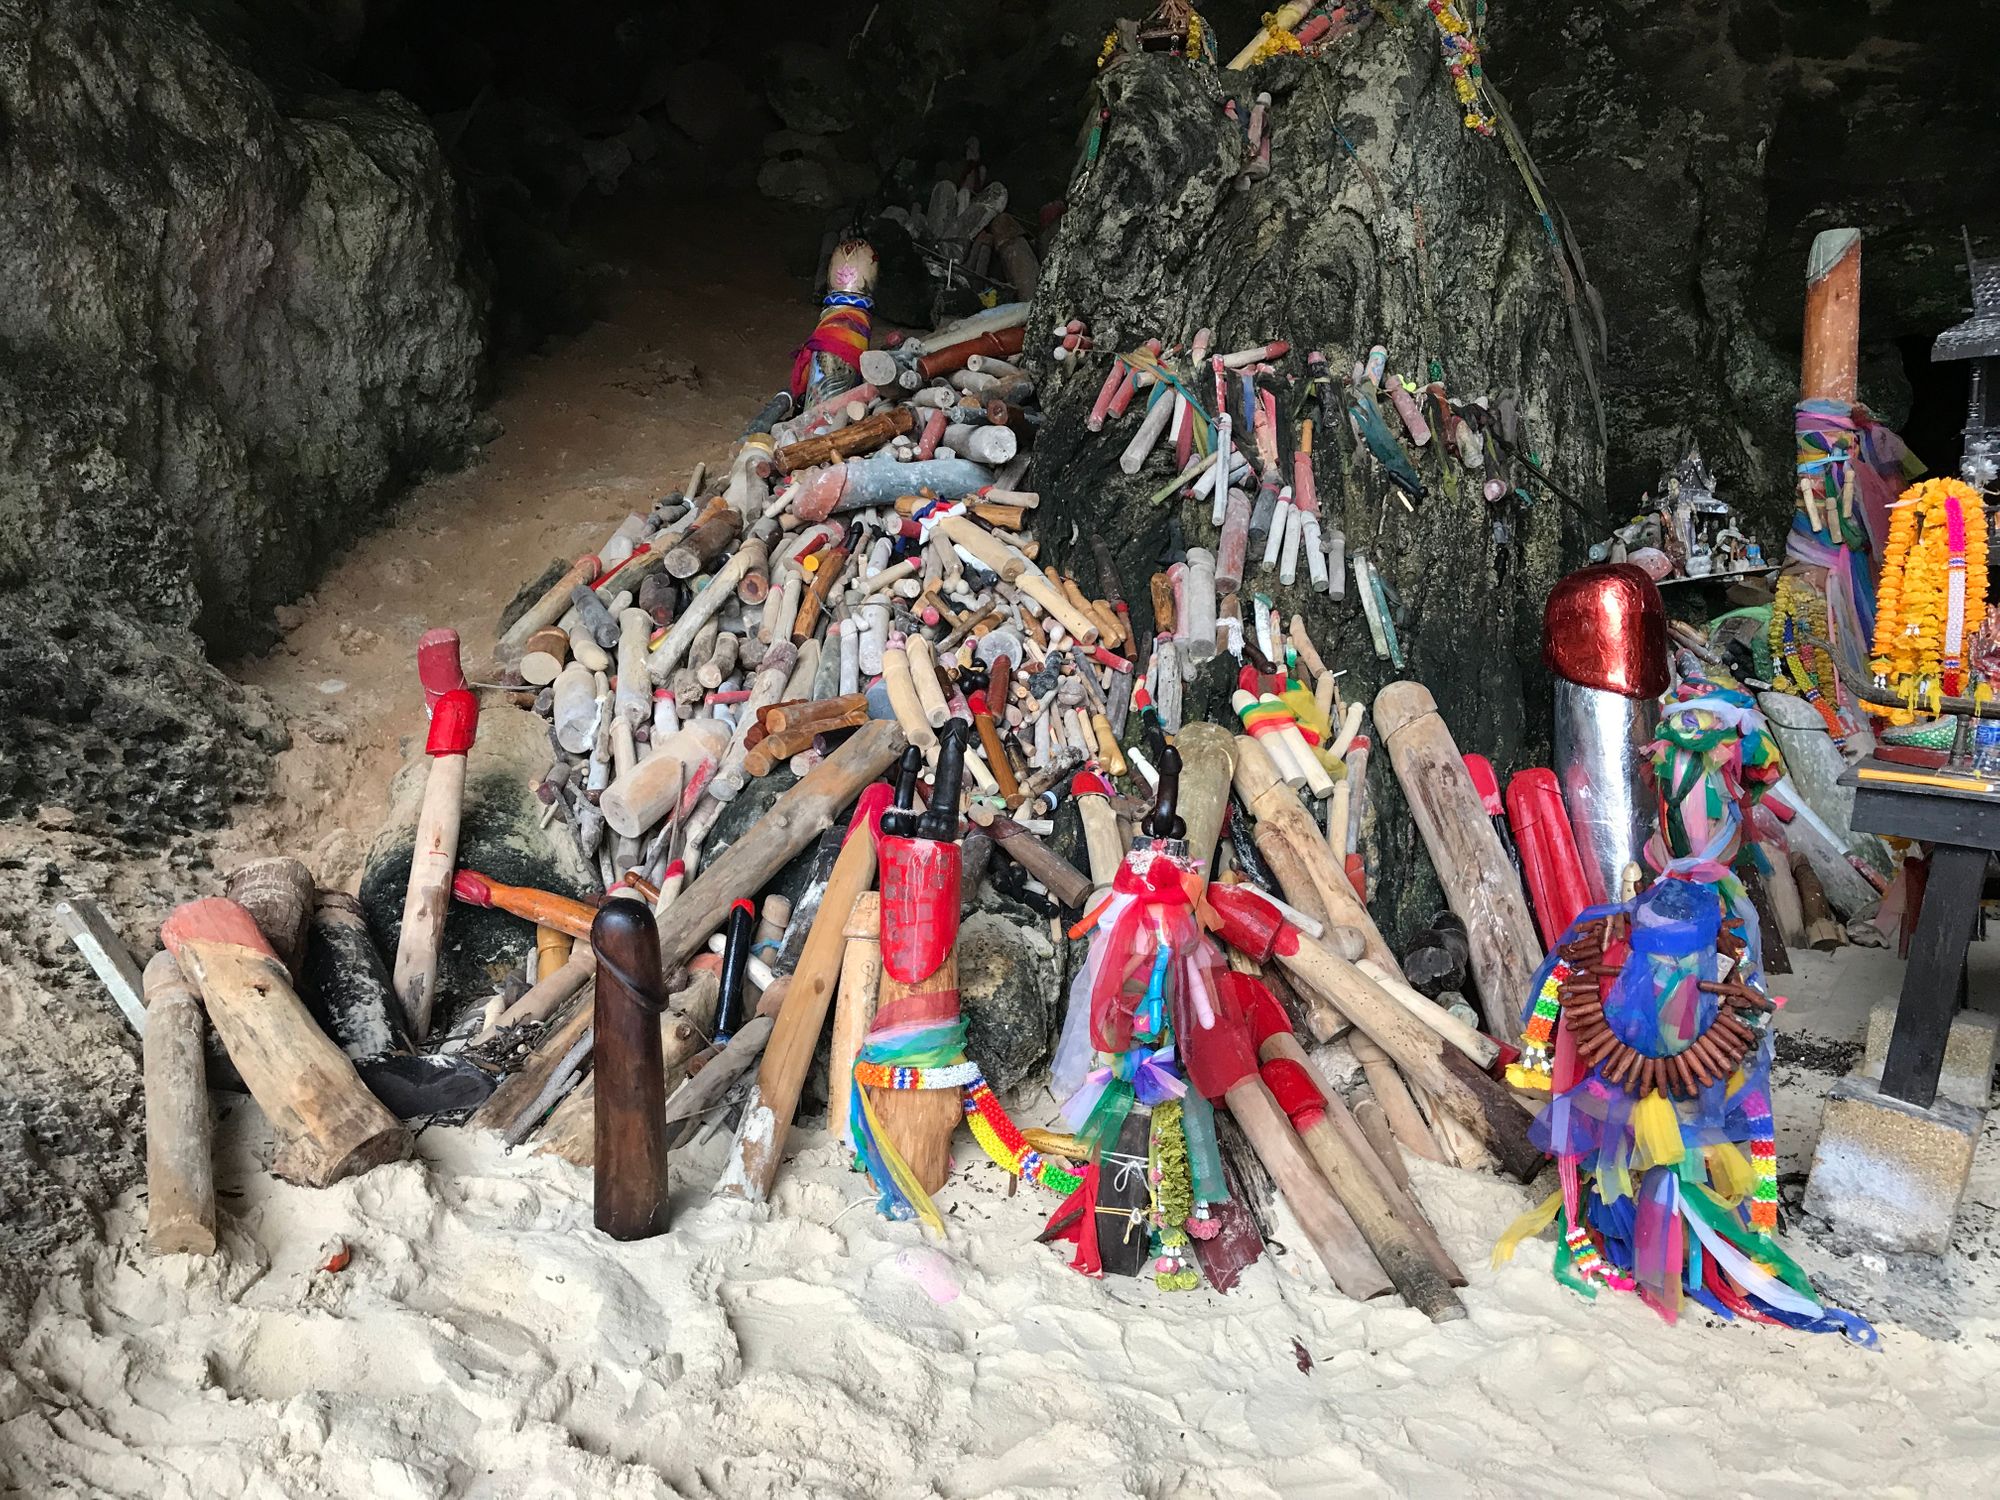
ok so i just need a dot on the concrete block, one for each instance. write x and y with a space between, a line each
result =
1889 1173
1971 1051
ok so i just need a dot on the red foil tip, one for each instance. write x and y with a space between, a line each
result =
454 724
471 887
1247 922
1261 1009
1606 628
438 666
1293 1088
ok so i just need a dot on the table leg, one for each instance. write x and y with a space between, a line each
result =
1931 986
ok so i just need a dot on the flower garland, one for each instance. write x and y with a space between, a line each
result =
1933 582
1461 58
1800 661
1276 39
1173 1201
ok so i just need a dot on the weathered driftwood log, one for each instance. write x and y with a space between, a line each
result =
774 1099
328 1125
854 1009
1480 882
1446 1076
545 611
795 820
180 1164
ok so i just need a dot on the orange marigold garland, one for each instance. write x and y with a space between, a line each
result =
1933 585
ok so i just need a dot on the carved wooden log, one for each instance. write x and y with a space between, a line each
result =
279 895
860 437
630 1074
952 357
707 540
180 1164
654 787
328 1125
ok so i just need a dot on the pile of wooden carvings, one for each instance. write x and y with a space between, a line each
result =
859 582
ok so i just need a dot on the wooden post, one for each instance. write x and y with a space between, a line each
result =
630 1073
435 855
1831 364
1480 883
180 1166
854 1010
328 1125
774 1099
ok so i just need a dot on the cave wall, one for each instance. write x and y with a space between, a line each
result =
239 314
1698 145
236 320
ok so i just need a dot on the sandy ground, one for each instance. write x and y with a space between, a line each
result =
486 1341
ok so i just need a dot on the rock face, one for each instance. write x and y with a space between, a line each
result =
1160 240
234 321
1011 984
1697 148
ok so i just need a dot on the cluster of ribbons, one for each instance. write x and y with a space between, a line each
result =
1845 455
1150 968
1677 1199
842 332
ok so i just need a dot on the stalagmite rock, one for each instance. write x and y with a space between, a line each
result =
1158 241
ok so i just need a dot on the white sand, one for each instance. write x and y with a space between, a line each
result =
486 1341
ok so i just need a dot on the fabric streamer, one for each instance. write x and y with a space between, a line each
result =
1117 1064
842 333
1660 1125
933 1057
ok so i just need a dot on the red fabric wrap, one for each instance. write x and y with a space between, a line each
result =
918 1008
454 723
